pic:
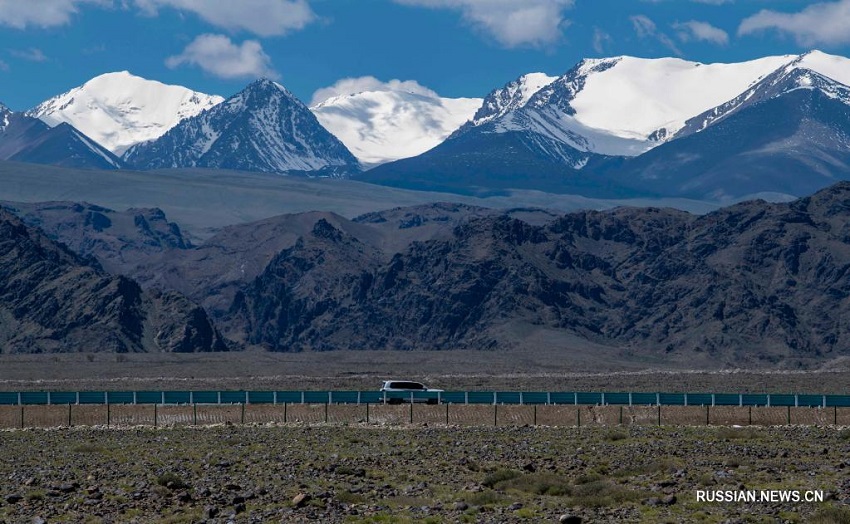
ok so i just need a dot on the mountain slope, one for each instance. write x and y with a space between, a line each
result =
381 126
793 143
27 139
52 301
262 128
119 109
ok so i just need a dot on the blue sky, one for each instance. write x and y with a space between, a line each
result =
454 47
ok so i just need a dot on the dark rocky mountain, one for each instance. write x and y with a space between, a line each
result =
28 139
757 282
752 284
122 242
51 300
262 128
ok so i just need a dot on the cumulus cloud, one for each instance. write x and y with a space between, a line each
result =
694 30
645 28
350 86
512 23
32 54
601 40
261 17
21 14
823 23
219 56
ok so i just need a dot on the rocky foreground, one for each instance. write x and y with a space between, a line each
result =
418 474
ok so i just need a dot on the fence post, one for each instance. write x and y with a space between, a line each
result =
48 398
578 416
835 415
548 398
22 415
411 409
69 414
750 415
243 413
658 399
707 415
788 417
495 415
575 398
326 413
284 412
535 414
447 413
19 398
194 414
274 398
154 415
466 397
659 414
367 413
603 398
302 396
108 414
162 397
621 415
218 397
520 399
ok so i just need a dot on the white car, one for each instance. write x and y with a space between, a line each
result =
398 388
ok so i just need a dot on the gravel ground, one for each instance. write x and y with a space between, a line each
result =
416 473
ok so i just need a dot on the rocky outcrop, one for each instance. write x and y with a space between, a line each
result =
51 300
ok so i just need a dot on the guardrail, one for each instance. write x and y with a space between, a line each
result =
22 398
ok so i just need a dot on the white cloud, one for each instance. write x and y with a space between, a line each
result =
350 86
217 55
600 40
645 28
32 54
21 14
261 17
826 23
512 23
701 31
3 67
643 25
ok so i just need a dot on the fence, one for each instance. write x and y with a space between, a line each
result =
23 398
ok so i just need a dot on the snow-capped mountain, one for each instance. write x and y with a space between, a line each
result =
579 131
264 127
789 134
119 109
27 139
381 126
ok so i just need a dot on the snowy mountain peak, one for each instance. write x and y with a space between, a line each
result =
510 97
121 109
381 126
264 127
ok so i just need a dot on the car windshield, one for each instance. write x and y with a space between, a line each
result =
406 385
